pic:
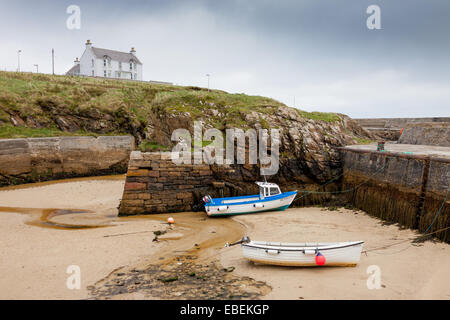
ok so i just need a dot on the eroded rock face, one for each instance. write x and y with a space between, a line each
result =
308 148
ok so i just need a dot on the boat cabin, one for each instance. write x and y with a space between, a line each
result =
267 189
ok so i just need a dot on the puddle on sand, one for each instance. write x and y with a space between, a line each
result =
41 217
51 182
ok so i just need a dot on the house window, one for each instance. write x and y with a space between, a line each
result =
131 65
135 76
104 62
120 65
92 63
104 73
109 63
109 74
92 72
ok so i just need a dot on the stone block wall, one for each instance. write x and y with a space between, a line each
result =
404 189
430 133
390 128
40 159
155 184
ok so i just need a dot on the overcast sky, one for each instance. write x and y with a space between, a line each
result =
318 52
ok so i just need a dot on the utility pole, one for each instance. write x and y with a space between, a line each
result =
53 61
18 60
208 75
37 68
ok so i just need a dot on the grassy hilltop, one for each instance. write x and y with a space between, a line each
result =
36 105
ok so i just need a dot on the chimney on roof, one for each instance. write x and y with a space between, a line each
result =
77 61
132 51
88 43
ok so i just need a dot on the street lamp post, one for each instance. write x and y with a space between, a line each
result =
18 60
53 61
208 75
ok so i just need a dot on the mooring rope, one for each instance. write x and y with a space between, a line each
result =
414 240
438 213
308 192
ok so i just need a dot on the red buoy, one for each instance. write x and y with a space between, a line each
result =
320 259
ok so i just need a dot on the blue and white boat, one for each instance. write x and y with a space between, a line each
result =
270 198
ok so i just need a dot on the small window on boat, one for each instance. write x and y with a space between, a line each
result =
274 191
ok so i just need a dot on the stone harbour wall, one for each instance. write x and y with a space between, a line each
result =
397 123
155 184
430 133
390 128
399 188
40 159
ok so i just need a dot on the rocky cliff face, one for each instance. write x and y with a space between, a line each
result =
308 150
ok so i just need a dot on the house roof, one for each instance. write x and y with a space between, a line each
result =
115 55
74 69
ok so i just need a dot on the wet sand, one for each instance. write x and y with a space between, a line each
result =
40 237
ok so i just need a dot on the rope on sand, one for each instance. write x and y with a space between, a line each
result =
414 240
417 239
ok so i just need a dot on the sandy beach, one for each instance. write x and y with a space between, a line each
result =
407 272
44 228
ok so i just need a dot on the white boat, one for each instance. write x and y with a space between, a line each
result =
270 198
302 254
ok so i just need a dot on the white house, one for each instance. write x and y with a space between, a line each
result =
97 62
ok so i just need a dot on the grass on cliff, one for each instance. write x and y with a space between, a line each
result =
150 146
8 131
320 116
34 96
364 140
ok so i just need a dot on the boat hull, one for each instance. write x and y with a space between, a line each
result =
278 204
303 255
